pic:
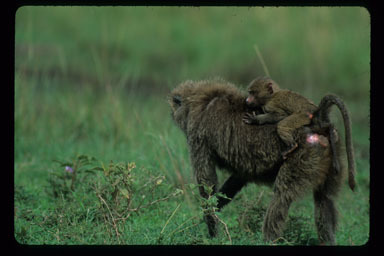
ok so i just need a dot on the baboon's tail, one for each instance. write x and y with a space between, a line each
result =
322 114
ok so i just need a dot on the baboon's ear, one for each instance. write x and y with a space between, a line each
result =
270 88
177 99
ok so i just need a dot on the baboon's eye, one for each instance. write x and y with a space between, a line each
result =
177 99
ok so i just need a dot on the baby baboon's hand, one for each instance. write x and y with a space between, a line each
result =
250 118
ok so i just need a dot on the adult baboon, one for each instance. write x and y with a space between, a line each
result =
210 113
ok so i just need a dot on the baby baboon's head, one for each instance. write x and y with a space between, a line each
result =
260 91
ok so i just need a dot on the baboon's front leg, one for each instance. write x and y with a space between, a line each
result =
230 188
209 214
206 177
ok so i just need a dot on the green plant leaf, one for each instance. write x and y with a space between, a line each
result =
124 192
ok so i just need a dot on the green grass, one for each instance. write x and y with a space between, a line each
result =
94 80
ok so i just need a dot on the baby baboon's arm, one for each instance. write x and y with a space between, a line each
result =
268 118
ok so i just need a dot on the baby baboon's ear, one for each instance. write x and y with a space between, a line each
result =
270 88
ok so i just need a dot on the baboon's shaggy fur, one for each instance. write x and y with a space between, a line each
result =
210 114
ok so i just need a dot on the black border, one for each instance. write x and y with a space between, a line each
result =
375 215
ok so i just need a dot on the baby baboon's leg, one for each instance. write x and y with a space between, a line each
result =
230 188
289 185
288 125
325 217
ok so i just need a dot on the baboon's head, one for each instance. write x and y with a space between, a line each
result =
189 99
178 101
260 91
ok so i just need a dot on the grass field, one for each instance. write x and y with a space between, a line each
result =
97 157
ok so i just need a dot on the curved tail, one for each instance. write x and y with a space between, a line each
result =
321 116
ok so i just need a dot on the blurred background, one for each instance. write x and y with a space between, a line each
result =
84 74
94 80
154 48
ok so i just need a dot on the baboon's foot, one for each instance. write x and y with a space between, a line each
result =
290 150
273 224
270 232
329 241
270 237
212 225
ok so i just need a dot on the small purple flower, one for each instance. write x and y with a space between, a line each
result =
68 169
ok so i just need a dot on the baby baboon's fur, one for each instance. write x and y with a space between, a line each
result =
210 114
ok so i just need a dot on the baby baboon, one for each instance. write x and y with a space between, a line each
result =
291 110
210 113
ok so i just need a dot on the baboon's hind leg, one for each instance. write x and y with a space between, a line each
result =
275 217
290 184
325 217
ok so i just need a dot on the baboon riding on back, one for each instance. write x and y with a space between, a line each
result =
210 114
